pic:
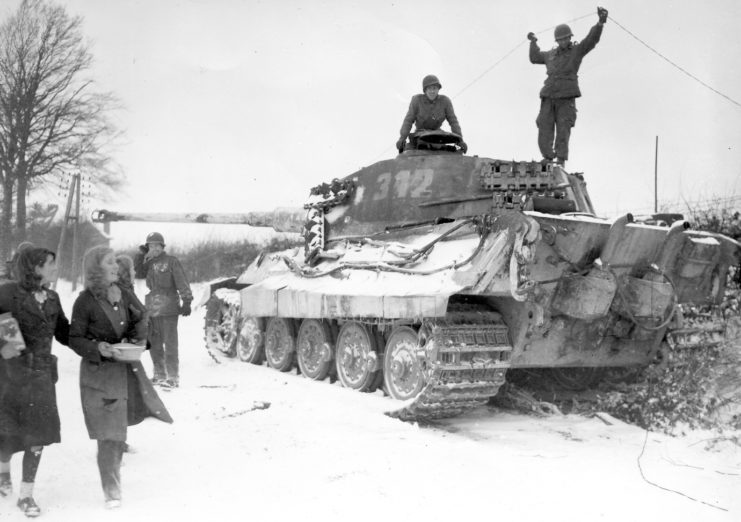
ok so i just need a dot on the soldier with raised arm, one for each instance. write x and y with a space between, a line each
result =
558 96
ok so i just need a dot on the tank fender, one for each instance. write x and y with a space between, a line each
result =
504 262
213 286
672 243
613 239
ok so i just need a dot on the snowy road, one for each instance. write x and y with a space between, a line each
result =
321 452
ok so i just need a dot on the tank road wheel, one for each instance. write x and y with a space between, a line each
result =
402 369
220 329
251 340
280 343
314 349
357 362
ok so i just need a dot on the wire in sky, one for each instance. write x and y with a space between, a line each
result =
487 71
675 65
511 51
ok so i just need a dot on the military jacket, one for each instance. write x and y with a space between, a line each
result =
429 115
167 285
562 65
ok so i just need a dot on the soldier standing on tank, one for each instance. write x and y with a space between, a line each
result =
558 96
168 286
428 111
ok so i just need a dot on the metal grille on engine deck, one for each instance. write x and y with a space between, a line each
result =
521 176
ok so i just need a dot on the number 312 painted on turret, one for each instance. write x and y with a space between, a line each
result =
406 183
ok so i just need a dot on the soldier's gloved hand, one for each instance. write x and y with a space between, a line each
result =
602 13
463 146
185 309
143 249
400 145
531 36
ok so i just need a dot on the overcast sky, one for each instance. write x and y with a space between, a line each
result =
244 105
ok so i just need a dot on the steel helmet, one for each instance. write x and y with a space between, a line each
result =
155 237
430 79
562 31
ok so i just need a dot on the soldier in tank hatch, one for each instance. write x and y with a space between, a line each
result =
558 96
428 111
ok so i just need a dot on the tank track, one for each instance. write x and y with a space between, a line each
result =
700 330
699 337
221 324
468 354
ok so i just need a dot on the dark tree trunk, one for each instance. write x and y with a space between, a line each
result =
6 222
20 209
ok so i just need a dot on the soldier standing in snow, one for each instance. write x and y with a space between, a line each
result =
558 96
428 111
29 419
114 394
168 286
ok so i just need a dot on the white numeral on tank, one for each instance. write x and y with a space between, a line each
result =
384 180
421 181
401 184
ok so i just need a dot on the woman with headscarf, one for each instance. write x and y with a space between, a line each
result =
126 282
138 310
29 419
114 394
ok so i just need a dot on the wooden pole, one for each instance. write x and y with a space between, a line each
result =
75 237
63 234
656 177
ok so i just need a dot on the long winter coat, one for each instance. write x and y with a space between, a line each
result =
114 394
28 399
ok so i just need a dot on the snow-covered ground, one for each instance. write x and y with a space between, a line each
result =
321 452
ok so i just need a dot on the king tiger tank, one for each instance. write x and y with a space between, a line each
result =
434 273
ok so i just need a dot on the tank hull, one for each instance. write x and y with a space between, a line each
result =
569 290
433 273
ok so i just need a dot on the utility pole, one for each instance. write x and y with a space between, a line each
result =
656 177
76 237
74 191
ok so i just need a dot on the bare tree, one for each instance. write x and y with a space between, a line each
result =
52 119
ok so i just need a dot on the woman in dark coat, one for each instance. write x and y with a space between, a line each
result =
29 419
126 281
114 394
138 310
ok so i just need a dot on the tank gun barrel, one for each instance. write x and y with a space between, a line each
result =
280 219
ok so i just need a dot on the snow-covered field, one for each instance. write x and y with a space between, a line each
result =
321 452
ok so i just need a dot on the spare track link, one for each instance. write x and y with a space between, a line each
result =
699 330
468 353
706 336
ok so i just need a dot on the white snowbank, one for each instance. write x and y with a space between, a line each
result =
321 452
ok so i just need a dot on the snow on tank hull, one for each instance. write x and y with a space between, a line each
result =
433 273
448 270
